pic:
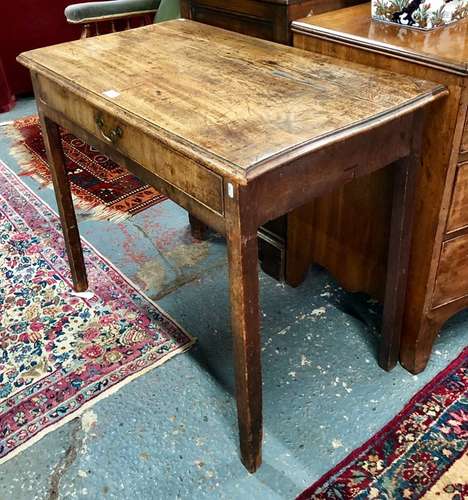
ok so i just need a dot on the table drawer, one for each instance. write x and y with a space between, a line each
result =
458 215
183 173
452 275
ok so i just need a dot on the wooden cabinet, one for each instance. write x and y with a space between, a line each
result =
452 274
464 145
267 19
357 217
458 215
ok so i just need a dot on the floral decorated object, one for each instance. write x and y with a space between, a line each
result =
60 353
422 14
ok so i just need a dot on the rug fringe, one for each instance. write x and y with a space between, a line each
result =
100 212
10 131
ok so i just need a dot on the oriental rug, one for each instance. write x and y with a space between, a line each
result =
421 453
60 352
102 188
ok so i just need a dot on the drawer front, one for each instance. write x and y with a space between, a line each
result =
458 215
452 275
183 173
249 17
247 8
258 28
464 144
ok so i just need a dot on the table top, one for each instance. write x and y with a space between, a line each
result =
239 105
445 48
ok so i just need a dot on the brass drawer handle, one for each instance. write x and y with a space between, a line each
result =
113 136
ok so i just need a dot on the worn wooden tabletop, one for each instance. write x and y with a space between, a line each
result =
241 105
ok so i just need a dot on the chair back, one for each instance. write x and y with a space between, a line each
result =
168 9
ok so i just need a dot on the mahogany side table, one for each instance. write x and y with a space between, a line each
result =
183 119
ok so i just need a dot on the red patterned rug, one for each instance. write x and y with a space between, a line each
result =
100 186
61 352
421 453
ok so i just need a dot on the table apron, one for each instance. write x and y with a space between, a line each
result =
139 145
205 214
298 182
201 191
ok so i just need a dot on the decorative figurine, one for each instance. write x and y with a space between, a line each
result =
425 15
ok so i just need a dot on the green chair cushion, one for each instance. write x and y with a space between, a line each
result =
81 12
168 9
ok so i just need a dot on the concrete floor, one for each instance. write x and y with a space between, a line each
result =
172 433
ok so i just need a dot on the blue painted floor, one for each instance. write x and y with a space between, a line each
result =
172 433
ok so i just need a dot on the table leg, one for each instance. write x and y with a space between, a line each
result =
66 209
245 319
197 228
398 259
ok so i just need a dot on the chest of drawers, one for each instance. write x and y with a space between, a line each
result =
350 229
267 19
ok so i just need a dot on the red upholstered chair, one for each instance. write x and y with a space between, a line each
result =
25 25
7 99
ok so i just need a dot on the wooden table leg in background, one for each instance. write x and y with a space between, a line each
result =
197 228
53 144
398 257
245 318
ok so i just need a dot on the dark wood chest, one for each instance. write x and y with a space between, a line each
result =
267 19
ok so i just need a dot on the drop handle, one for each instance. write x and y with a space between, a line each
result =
113 136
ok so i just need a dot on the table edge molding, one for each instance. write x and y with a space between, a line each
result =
348 39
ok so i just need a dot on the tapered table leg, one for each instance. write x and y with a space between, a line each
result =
71 235
398 259
245 318
197 228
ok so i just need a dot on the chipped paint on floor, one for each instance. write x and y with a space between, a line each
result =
172 433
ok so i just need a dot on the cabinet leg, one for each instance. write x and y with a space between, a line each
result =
298 247
245 319
416 345
66 209
398 259
197 228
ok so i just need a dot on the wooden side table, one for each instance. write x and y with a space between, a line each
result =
183 119
350 228
269 20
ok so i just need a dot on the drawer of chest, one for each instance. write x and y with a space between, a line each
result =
248 8
176 169
249 17
452 275
458 215
464 144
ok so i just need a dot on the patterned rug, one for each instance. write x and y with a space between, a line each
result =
100 186
61 352
421 453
